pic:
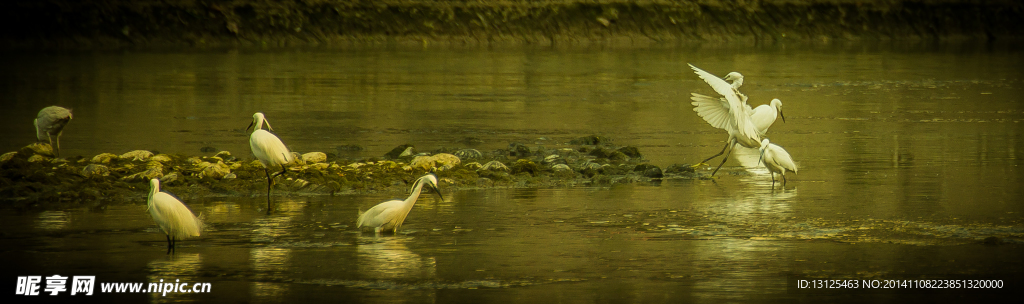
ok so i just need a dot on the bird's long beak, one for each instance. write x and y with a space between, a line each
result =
761 157
780 114
438 191
251 123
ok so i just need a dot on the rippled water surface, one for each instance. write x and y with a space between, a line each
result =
910 157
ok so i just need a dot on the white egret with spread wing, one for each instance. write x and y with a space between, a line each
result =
50 124
269 149
173 217
736 78
777 160
730 113
391 214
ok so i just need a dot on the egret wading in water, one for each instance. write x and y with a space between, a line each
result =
765 115
171 215
269 150
391 214
730 113
777 160
50 124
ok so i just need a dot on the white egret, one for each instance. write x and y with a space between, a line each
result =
171 215
50 124
736 78
730 113
389 215
777 160
269 149
764 116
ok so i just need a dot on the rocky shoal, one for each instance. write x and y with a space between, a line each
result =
32 177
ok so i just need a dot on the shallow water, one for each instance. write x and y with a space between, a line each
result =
909 155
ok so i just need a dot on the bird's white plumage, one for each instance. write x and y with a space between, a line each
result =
50 124
776 159
267 147
736 78
391 214
763 116
731 113
173 217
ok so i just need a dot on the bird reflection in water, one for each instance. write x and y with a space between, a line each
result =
183 267
389 258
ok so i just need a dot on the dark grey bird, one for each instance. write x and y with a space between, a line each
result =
50 123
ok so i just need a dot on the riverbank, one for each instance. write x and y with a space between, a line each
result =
32 177
64 24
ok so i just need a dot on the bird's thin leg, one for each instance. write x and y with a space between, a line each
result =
773 179
727 143
169 246
783 181
55 145
269 182
724 159
283 170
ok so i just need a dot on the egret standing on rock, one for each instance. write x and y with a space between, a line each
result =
777 160
268 149
171 215
50 123
731 114
391 214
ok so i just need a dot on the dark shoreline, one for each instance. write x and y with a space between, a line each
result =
106 24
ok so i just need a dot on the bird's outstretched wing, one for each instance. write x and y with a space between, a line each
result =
714 110
723 88
730 113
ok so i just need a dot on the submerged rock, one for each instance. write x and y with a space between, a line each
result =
348 148
137 155
39 148
518 150
103 158
215 171
162 158
400 151
653 172
465 154
630 151
679 169
314 157
494 166
109 178
7 156
169 178
591 140
525 166
224 155
440 161
95 170
150 173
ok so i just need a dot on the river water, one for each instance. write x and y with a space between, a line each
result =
910 157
